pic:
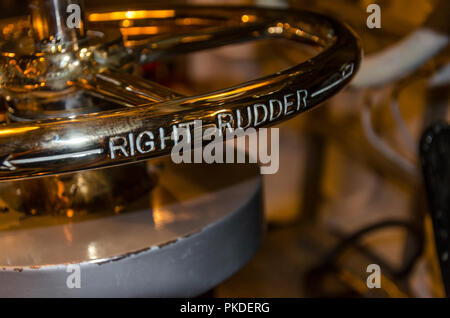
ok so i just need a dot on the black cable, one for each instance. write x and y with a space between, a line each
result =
329 263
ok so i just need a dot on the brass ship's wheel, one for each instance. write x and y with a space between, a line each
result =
73 106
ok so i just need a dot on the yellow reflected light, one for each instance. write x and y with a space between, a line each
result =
139 30
234 92
17 130
196 38
126 23
132 15
248 18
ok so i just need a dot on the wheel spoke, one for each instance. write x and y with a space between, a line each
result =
126 89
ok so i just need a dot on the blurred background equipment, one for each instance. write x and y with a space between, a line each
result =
350 189
356 195
435 158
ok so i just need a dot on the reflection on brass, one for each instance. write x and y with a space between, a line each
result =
85 192
81 194
130 15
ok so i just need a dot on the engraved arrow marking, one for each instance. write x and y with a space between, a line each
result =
346 73
7 164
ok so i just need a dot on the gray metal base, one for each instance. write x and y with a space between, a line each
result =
182 247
